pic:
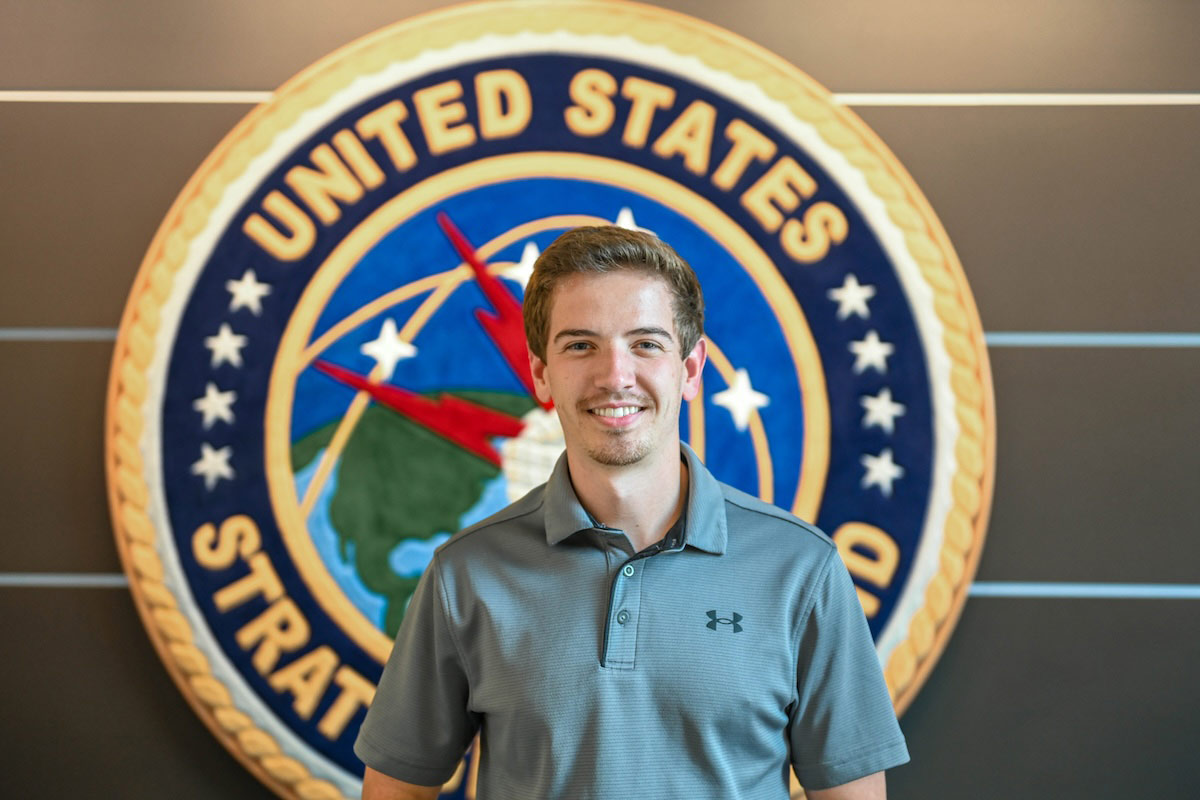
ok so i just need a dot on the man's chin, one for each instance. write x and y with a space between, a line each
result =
618 454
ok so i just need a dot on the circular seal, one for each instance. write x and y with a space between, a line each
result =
318 376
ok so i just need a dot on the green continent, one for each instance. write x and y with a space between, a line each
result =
397 480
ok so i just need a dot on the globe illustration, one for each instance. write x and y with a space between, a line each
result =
410 418
380 485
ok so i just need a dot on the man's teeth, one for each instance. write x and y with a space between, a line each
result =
623 411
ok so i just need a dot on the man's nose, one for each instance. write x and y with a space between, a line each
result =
615 371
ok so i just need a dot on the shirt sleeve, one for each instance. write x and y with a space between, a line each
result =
419 725
843 726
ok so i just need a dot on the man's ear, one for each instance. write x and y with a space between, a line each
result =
693 368
537 368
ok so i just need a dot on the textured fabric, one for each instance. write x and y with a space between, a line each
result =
700 667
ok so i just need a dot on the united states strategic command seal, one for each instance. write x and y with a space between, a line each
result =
317 378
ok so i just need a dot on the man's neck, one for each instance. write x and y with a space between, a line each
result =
644 500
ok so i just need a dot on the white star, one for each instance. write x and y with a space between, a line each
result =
871 352
741 399
881 471
625 220
852 298
215 405
388 348
247 293
881 410
213 465
521 271
226 346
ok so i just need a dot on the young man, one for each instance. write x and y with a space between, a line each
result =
633 628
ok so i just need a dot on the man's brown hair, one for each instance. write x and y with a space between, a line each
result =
607 248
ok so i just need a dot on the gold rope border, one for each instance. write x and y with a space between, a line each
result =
911 661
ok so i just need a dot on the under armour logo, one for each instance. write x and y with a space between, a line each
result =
714 621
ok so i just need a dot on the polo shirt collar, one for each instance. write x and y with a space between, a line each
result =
704 525
565 515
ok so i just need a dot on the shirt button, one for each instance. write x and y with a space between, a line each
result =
622 617
628 571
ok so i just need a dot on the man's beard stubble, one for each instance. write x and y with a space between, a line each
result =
620 448
619 451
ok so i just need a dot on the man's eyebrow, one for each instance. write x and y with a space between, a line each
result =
571 332
652 331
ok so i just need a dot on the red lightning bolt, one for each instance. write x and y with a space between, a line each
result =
467 424
506 327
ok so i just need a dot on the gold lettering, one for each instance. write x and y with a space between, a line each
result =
300 236
748 144
779 184
217 550
647 98
279 629
494 91
593 112
870 554
261 580
306 678
438 109
384 124
352 150
356 692
824 225
319 187
690 135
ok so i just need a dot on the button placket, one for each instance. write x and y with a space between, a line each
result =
623 615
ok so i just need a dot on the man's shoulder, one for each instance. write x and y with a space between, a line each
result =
521 515
752 515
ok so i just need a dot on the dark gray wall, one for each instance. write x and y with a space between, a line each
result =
1066 219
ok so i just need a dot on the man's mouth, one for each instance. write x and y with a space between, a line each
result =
618 411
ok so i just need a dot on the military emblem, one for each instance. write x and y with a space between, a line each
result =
321 375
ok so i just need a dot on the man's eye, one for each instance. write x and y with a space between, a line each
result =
577 346
648 345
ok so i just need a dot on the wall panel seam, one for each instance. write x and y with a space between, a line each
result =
1068 339
991 589
859 99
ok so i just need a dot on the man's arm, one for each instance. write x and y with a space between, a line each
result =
871 787
377 786
424 680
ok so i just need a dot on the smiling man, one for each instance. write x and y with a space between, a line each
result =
633 627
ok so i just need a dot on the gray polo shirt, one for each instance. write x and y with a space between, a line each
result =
698 668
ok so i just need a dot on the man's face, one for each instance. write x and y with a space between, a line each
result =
614 369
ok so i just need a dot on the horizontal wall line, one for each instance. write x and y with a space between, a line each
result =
58 334
943 99
1082 591
1017 589
64 580
133 96
993 339
1089 339
926 99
